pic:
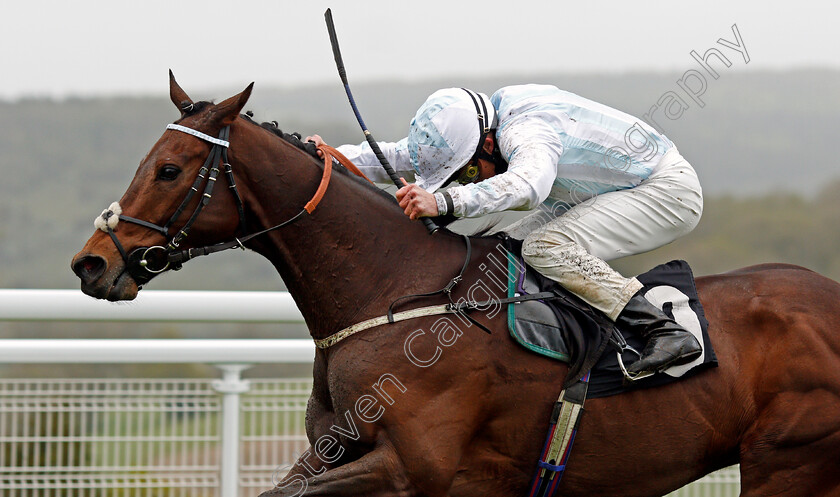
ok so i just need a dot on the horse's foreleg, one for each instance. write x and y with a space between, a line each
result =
377 473
295 482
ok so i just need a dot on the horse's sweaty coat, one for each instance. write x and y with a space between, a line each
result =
464 425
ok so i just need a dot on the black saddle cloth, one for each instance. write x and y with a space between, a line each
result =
569 330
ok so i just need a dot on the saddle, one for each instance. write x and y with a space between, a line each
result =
567 329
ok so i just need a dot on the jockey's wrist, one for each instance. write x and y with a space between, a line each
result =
444 203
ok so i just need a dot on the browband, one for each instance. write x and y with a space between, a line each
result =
199 134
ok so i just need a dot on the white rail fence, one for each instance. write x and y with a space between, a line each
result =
221 437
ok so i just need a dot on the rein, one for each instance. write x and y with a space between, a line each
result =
138 262
330 153
139 267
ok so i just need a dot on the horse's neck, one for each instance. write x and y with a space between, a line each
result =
354 254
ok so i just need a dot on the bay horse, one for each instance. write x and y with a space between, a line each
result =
408 409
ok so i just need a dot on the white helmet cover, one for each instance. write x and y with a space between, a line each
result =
445 132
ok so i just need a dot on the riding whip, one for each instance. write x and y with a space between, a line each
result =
430 225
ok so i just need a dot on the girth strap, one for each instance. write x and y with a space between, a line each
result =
562 429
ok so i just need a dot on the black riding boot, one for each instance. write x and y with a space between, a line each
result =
668 344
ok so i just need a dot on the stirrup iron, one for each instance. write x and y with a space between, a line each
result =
620 344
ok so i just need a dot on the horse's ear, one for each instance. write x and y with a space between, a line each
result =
226 112
178 96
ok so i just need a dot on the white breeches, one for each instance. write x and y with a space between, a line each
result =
572 247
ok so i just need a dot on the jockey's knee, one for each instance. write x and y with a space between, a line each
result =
539 244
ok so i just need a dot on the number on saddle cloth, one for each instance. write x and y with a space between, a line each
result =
569 330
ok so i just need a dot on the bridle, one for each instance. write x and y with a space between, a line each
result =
140 264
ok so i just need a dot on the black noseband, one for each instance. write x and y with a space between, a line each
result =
144 263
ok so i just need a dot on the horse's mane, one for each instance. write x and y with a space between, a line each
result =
310 149
294 138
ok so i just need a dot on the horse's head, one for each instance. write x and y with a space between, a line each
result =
167 208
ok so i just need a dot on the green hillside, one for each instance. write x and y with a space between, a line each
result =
762 145
758 134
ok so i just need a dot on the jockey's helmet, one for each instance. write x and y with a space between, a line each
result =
446 133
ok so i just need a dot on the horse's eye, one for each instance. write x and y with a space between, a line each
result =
168 172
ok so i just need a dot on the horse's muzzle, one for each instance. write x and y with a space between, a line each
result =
89 268
101 281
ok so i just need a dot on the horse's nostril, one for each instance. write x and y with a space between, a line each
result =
89 267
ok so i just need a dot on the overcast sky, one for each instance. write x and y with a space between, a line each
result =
87 48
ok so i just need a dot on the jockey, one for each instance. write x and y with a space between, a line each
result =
601 183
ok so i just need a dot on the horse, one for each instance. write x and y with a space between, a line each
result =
419 407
